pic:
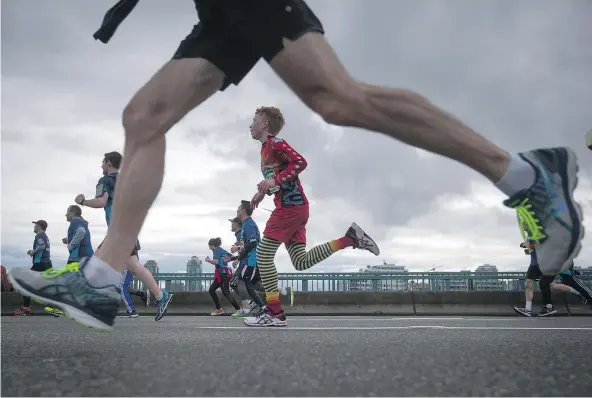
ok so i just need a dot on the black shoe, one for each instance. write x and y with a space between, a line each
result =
546 311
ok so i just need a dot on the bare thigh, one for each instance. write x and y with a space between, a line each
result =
177 88
311 68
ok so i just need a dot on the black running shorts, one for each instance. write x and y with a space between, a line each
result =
234 34
534 273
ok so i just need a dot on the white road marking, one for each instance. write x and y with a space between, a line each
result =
396 328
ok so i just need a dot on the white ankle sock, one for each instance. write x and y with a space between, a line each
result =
529 306
520 175
574 291
99 273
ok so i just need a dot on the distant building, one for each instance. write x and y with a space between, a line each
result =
174 286
194 268
487 284
461 282
384 284
152 266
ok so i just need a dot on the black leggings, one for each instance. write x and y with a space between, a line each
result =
225 287
569 280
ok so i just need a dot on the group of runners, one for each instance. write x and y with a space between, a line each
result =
222 48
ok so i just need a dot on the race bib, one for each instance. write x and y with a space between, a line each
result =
269 174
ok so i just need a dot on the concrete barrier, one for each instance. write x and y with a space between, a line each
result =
477 303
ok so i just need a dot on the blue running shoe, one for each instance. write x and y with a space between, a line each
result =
162 305
67 289
548 210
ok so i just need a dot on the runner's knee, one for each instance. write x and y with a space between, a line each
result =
144 121
336 103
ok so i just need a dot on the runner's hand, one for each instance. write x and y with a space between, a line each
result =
257 198
234 248
79 199
65 241
265 185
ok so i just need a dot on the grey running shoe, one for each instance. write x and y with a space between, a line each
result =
67 289
522 311
552 216
362 239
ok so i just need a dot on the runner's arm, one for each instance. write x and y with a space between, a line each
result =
40 246
296 163
249 241
78 236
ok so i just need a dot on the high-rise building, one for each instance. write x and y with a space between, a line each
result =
487 284
194 268
152 266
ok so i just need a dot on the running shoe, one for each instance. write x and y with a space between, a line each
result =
22 312
253 307
362 240
68 290
546 311
242 314
217 312
523 311
265 319
53 311
162 305
132 314
549 210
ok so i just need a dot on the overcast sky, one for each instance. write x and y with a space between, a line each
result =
518 72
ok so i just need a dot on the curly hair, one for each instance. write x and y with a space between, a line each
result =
274 116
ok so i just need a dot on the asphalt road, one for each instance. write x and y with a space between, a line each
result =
197 356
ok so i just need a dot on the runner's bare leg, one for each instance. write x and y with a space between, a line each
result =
176 89
313 71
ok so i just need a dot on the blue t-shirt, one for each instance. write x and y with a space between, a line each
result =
107 184
251 238
218 254
43 256
533 256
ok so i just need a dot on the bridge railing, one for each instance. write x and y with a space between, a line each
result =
369 282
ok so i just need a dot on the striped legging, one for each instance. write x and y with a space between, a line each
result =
301 259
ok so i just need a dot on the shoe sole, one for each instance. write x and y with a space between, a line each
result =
70 312
275 325
548 313
166 307
570 186
521 313
357 227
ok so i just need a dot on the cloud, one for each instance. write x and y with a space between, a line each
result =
516 72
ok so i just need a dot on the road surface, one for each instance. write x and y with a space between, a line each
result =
196 356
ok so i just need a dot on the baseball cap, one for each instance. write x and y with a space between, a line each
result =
41 223
236 220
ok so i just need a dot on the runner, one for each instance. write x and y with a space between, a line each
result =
221 278
247 256
281 166
236 226
533 274
41 256
570 283
222 48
